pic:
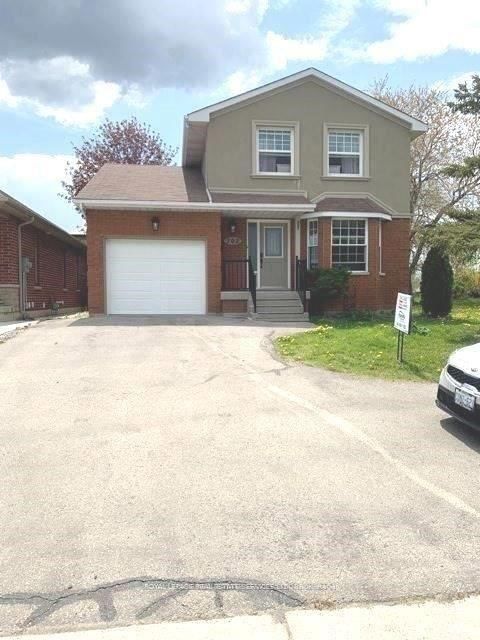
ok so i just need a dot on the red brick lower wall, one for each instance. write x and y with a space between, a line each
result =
372 291
117 224
47 283
234 306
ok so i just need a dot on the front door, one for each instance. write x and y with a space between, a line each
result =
273 255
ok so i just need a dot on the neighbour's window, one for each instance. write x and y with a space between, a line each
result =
36 261
345 153
349 244
274 150
312 244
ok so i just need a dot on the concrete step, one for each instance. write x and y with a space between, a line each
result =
281 317
280 303
277 294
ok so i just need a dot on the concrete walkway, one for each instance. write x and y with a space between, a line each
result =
416 621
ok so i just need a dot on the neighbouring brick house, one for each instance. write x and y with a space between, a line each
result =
303 172
53 264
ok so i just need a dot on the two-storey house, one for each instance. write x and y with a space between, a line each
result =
302 172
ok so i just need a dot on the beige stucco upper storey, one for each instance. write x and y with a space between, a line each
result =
226 145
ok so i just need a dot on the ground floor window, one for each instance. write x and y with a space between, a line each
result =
349 244
312 244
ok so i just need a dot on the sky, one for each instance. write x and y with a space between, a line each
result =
65 65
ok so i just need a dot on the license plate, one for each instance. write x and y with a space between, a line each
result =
465 399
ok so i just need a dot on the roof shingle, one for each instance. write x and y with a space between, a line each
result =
145 183
357 205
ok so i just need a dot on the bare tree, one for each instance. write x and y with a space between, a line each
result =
124 142
444 167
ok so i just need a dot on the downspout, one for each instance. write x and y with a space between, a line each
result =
20 270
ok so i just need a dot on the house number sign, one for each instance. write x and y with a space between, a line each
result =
232 241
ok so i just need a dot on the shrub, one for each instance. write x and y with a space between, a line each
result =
437 284
325 285
466 283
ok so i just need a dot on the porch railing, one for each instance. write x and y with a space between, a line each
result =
301 281
238 275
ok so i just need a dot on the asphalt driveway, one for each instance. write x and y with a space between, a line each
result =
154 470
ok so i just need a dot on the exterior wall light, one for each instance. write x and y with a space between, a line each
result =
232 225
155 224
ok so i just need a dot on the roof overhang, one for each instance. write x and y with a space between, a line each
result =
348 214
196 122
155 205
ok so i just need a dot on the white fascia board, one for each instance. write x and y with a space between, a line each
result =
347 214
190 206
203 115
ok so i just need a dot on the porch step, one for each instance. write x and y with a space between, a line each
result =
277 294
282 317
290 303
279 306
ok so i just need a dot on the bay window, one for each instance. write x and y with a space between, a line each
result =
350 244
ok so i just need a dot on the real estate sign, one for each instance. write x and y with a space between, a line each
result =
403 313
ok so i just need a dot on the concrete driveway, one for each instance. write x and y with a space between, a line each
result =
160 471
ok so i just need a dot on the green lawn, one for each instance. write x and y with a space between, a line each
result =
368 346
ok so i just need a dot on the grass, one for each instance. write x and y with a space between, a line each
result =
366 344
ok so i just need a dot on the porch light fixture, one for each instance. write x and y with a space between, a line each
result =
232 225
155 224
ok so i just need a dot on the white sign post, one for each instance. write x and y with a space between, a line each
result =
403 320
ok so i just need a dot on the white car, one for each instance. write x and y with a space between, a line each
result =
459 386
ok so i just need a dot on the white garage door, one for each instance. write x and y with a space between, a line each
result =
155 276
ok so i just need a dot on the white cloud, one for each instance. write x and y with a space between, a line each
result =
105 94
34 179
451 83
78 100
424 29
284 50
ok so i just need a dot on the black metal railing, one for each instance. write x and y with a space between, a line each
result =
301 281
252 284
238 275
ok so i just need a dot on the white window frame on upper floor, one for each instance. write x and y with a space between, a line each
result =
293 128
363 154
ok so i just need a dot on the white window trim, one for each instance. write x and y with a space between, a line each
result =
294 148
380 248
273 226
364 151
354 273
309 222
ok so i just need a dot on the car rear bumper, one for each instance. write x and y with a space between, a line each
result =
446 402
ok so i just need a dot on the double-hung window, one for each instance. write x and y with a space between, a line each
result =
312 244
275 150
345 152
350 244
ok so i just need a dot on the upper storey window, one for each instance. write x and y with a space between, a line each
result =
275 150
345 153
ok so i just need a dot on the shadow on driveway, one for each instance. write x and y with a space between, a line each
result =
462 432
182 320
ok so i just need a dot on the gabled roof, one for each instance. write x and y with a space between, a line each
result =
196 122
